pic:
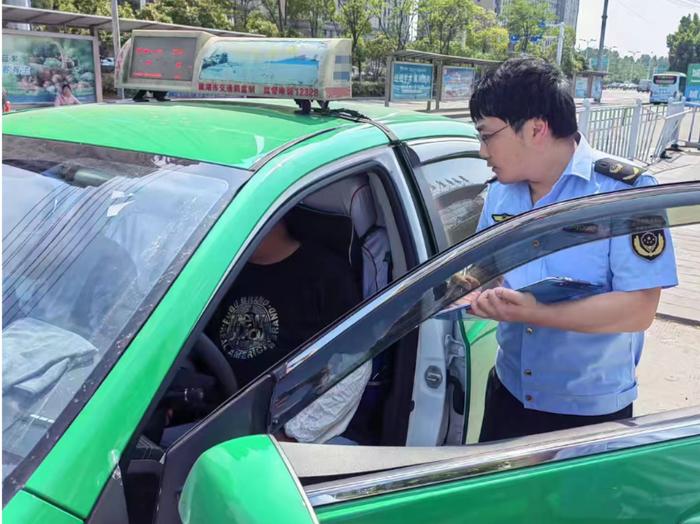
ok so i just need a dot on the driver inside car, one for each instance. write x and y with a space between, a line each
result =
287 292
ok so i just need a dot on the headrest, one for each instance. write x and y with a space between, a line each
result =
350 197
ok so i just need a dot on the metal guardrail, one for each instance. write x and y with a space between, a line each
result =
639 132
693 137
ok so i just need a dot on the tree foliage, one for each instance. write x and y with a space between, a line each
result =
260 25
242 10
684 44
442 23
571 62
200 13
486 37
375 51
283 13
355 17
396 20
525 19
319 13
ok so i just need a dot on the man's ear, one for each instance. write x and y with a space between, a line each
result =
539 129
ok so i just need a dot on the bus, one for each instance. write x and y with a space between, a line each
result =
666 85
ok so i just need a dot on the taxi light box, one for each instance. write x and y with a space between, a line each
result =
195 61
163 58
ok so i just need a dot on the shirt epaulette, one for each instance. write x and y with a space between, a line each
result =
622 171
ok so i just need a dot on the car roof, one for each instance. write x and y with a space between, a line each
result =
235 133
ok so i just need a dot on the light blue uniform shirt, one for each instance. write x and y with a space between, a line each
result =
564 371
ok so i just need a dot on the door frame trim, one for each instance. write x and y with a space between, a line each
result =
514 454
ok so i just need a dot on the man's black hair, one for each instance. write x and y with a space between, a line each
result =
524 88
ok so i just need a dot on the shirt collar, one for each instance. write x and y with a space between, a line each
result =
581 160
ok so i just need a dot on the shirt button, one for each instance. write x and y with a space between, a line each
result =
530 331
528 372
528 398
535 243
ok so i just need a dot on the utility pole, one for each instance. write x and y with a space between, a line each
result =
116 42
601 44
560 43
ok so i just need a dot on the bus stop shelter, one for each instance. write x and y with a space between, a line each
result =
32 79
420 75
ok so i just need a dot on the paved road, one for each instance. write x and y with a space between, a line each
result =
669 371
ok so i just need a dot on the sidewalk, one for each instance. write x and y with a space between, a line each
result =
458 109
682 303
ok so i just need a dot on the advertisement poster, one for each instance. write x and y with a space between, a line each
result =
581 89
412 81
279 68
692 88
597 90
457 83
35 66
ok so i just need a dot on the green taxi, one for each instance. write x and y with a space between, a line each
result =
124 225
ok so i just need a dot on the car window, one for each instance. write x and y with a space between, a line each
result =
92 238
484 257
452 179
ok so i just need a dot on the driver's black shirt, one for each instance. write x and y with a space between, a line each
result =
272 309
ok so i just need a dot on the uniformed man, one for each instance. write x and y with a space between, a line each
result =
571 363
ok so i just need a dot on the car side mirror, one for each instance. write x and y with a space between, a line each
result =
247 479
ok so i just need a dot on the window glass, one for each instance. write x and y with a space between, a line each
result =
438 283
92 238
455 192
458 187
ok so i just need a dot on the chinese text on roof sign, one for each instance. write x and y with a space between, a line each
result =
195 61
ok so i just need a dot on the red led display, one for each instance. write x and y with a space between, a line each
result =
163 57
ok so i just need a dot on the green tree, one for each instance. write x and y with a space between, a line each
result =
155 13
547 49
525 18
284 13
242 10
258 24
684 44
199 13
355 16
92 7
486 38
376 51
320 12
396 21
442 23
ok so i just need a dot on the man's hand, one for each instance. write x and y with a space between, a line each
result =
504 304
612 312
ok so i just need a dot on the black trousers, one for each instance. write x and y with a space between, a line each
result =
506 417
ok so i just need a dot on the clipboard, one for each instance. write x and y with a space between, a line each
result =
559 289
547 291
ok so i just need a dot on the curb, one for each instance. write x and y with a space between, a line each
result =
678 320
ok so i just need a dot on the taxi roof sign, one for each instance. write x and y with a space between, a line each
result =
198 62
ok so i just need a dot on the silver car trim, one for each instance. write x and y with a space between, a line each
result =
297 482
513 454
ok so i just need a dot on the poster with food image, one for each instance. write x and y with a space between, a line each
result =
457 83
35 66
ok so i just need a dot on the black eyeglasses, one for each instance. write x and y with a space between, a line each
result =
485 138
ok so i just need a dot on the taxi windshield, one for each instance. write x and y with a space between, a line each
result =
92 239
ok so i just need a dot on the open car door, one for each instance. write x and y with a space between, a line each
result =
485 482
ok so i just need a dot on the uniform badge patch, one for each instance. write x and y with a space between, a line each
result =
624 172
649 244
501 217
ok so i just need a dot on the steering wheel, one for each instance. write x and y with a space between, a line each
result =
216 364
